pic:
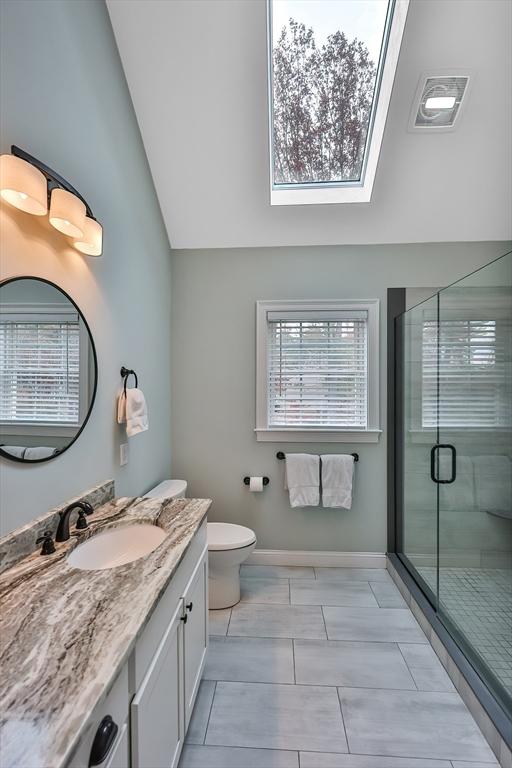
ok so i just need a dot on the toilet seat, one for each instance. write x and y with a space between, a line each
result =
226 536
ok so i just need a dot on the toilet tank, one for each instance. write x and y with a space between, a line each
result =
168 489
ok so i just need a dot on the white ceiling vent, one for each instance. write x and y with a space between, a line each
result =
438 102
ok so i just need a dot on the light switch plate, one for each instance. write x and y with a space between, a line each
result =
123 454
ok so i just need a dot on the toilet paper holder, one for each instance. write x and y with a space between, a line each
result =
247 480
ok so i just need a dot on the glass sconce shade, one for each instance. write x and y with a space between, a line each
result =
91 243
23 186
67 213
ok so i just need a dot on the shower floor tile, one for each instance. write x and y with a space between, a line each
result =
479 602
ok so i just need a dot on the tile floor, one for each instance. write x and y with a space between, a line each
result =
326 668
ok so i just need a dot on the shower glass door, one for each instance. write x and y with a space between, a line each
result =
475 513
454 463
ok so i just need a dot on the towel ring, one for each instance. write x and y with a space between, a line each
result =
125 374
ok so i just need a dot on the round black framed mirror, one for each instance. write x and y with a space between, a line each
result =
48 370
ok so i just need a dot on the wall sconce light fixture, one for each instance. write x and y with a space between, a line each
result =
23 185
30 185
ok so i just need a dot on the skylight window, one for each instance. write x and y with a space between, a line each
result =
331 67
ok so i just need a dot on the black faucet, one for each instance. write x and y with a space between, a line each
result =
63 529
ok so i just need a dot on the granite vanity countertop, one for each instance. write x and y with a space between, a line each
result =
66 633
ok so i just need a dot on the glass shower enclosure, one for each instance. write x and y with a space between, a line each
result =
453 456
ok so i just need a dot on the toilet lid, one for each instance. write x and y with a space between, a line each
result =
229 536
167 490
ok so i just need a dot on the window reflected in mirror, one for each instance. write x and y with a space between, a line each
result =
48 370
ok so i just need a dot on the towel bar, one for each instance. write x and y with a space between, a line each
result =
280 455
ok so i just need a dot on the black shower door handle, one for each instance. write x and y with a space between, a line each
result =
433 456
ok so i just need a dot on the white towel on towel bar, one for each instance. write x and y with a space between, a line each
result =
132 409
302 479
337 475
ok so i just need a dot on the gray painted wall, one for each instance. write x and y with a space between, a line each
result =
64 99
213 385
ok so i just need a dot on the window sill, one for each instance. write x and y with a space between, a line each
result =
38 429
329 193
266 435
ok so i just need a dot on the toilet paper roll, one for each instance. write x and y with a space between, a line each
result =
256 484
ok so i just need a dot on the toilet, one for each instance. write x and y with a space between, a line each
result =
229 545
169 489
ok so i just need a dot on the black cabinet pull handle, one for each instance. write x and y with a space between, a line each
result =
189 606
433 457
103 741
184 618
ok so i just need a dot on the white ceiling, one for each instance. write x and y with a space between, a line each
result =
197 72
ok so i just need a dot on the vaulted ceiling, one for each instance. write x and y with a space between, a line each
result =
197 73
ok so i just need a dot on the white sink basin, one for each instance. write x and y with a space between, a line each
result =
117 546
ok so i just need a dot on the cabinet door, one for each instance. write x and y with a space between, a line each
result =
195 631
120 757
157 708
117 706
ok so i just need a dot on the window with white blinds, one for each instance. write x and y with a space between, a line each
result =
464 376
40 380
318 370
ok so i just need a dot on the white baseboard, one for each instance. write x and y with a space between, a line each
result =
317 558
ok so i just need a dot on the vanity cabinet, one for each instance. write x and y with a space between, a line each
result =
195 632
157 711
163 704
153 697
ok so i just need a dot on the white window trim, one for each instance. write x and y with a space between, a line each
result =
346 192
48 312
264 433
